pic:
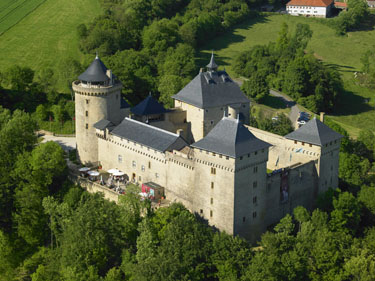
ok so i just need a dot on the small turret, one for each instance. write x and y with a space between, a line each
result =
212 66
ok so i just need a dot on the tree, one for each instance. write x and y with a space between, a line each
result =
170 85
19 78
346 213
256 86
353 169
41 113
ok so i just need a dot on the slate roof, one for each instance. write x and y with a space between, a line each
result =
211 89
96 72
148 106
312 3
102 124
148 135
314 132
230 138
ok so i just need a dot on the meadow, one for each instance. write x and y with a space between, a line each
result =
354 111
46 36
12 11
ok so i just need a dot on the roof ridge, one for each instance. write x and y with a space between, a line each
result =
153 127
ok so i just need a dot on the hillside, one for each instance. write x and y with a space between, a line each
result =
46 35
341 52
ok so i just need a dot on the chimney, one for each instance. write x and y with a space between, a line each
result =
180 132
322 117
109 74
201 70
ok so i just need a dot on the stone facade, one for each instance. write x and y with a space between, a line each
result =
234 194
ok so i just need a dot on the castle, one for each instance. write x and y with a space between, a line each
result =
239 178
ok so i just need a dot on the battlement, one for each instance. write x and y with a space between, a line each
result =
94 90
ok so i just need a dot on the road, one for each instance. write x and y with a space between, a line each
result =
294 109
67 143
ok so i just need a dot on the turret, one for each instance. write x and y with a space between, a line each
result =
97 97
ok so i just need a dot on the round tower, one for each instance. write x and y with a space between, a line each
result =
97 97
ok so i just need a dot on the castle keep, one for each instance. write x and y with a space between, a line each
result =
202 152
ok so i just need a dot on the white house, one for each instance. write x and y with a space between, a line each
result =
309 8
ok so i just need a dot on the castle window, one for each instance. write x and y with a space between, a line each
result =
185 120
255 184
212 122
140 178
295 142
310 145
87 113
201 211
143 168
241 158
206 110
262 150
243 219
134 164
220 156
211 214
256 169
212 185
87 101
87 126
254 199
212 200
254 215
244 105
256 152
213 154
156 175
303 143
213 171
335 141
149 164
227 157
248 155
119 158
207 152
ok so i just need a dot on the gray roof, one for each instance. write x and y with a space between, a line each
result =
211 89
102 124
148 135
148 106
229 137
314 132
96 72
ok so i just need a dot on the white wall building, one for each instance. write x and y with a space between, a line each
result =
309 8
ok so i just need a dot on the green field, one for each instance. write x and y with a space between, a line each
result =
46 36
12 11
341 52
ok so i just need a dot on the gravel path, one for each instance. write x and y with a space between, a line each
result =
67 143
294 109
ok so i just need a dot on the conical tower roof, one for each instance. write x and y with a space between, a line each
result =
230 138
148 106
212 64
96 72
314 132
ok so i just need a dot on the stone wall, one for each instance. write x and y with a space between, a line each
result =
93 187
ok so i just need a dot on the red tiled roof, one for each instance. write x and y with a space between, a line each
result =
313 3
341 4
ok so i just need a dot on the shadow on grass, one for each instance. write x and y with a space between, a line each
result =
348 103
223 40
340 68
275 102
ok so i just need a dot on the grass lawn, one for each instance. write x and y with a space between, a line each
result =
341 52
12 11
46 36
